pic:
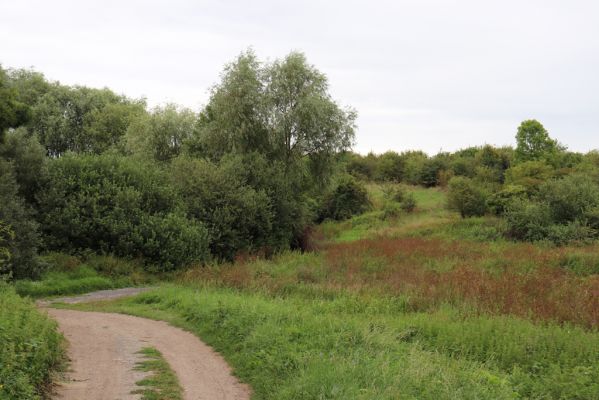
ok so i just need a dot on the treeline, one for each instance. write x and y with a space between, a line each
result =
540 190
86 169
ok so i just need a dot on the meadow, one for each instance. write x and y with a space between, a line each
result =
418 305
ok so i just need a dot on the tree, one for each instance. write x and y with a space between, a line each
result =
304 120
234 121
23 241
81 120
12 111
6 237
162 134
282 110
28 159
534 143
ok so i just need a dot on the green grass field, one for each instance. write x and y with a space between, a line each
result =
418 306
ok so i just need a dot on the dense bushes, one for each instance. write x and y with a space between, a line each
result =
20 238
247 204
563 210
31 348
466 197
113 204
347 199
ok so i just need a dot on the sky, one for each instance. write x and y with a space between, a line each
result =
434 75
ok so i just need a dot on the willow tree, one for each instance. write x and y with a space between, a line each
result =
281 109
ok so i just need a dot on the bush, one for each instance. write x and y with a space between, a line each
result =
247 204
499 201
349 198
528 220
31 347
21 238
120 206
466 197
408 204
570 198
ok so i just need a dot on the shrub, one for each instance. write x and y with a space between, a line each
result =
21 238
499 201
31 347
570 198
347 199
408 204
246 203
466 197
120 206
391 210
528 220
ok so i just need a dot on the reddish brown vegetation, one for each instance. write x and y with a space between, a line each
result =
545 292
517 279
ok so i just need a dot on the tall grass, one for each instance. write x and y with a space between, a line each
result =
30 347
355 347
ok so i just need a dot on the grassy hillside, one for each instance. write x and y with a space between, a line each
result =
415 305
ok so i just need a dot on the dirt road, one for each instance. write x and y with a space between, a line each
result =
103 346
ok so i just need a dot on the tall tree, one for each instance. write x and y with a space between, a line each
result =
283 110
303 119
12 111
534 143
162 134
234 121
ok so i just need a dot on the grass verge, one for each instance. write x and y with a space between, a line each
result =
31 349
162 384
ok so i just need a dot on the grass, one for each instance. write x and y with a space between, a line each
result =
31 349
420 305
356 347
69 275
162 384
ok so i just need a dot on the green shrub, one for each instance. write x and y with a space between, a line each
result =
391 210
120 206
467 197
30 347
349 198
528 220
500 201
408 204
570 198
17 218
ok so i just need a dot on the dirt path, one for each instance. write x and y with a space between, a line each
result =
103 346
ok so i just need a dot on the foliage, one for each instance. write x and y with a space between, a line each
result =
501 200
162 133
12 112
6 236
22 244
117 205
28 159
347 199
534 143
247 204
81 119
529 174
282 110
466 197
408 203
31 351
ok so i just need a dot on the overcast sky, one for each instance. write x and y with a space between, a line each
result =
422 74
